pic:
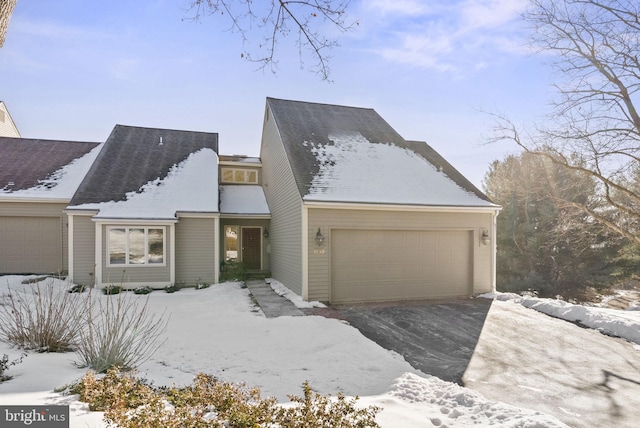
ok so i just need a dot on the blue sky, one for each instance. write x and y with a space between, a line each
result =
72 69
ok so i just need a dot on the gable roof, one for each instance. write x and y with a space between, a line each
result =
351 154
8 127
134 156
150 173
43 168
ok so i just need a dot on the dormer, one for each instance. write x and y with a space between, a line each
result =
240 169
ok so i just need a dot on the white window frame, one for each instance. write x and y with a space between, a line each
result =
246 172
146 247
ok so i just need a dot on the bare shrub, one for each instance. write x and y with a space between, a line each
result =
118 332
40 317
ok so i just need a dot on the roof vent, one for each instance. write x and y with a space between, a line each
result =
161 143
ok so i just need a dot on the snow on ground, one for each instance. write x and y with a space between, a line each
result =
217 330
613 322
283 291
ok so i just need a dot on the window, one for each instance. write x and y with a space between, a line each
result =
231 243
235 175
136 246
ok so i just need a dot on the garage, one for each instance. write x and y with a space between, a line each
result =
30 244
385 265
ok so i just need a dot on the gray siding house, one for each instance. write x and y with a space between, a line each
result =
338 207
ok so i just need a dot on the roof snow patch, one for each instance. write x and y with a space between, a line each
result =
352 169
191 186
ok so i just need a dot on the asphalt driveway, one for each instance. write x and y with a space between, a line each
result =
512 354
437 337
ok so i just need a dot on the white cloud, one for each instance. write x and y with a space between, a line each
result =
403 7
446 36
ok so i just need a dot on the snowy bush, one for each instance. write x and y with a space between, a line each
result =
112 289
314 410
5 364
118 332
41 317
208 402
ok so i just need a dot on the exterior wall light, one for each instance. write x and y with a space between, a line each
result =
319 238
484 237
266 233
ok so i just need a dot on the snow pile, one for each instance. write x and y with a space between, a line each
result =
613 322
63 183
352 169
190 186
446 404
284 291
218 331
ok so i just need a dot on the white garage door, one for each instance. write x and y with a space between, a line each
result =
377 265
30 244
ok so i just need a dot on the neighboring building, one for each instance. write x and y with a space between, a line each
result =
339 208
37 180
7 127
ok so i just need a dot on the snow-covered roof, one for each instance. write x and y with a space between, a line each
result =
351 154
352 169
190 186
243 199
43 169
134 156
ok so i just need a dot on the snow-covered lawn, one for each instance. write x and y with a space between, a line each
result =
218 331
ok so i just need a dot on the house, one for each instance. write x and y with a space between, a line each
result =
7 126
360 214
37 180
338 207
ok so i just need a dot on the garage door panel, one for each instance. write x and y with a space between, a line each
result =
30 244
370 265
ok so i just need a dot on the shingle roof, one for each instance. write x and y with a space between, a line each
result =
25 163
133 156
305 127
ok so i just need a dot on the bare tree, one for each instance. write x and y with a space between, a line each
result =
276 20
594 127
6 9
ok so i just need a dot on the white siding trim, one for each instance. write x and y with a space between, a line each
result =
70 246
305 253
216 253
34 199
392 207
172 255
136 221
494 248
98 260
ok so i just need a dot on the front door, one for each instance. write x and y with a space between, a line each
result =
252 247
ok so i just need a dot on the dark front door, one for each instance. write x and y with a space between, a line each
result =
251 247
